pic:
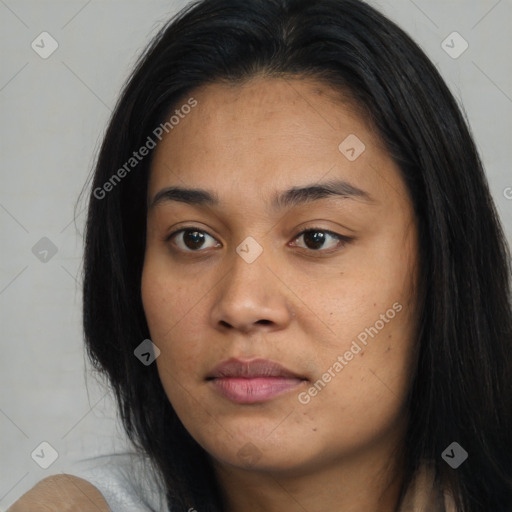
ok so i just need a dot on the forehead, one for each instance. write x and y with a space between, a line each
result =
269 134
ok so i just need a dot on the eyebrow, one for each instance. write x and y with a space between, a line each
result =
294 196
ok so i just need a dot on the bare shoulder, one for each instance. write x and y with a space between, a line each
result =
61 493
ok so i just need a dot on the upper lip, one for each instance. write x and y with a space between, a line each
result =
250 369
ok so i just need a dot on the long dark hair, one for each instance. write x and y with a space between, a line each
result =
462 385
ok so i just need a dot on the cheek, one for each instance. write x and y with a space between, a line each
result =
167 303
365 389
171 311
372 323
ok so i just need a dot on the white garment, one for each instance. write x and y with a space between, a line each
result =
125 482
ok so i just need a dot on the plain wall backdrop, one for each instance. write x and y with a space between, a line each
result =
53 113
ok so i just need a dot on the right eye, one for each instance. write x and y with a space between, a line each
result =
190 239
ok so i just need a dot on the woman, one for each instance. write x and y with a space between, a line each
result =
295 278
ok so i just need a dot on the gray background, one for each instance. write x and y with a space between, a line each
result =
53 114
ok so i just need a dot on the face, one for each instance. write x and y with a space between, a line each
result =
282 297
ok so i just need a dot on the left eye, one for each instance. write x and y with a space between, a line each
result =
315 239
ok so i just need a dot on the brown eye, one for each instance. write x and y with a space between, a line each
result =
316 239
191 239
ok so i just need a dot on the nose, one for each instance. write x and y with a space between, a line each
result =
251 297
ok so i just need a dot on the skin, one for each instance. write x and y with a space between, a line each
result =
61 493
296 305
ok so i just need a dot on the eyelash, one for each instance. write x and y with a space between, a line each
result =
341 238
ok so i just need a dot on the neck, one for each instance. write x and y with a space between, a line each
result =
362 483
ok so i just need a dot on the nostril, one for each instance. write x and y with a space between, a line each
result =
265 322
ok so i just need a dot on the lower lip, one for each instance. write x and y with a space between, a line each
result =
253 390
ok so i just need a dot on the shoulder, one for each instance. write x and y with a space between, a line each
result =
424 493
128 481
61 493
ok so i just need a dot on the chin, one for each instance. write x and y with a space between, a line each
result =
284 454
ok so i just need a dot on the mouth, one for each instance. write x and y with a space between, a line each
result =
254 381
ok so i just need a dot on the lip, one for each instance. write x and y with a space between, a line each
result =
253 381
